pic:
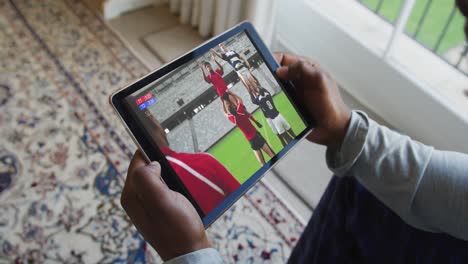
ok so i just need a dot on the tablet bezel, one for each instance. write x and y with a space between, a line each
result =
152 151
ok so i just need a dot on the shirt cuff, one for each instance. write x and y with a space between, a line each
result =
202 256
341 161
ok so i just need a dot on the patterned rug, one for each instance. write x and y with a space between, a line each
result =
64 154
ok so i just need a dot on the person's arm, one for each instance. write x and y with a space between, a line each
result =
241 108
427 188
217 54
220 67
237 98
224 107
254 98
244 59
203 72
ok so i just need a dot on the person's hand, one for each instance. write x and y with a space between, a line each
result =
212 57
199 64
166 219
320 96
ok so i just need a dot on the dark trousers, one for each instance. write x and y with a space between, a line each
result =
351 226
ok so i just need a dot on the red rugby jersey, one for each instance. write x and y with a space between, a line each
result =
207 180
218 82
241 120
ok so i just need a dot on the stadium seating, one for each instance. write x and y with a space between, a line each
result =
180 138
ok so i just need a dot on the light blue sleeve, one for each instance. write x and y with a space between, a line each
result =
202 256
427 188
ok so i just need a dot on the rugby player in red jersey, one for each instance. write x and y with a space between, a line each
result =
235 111
215 77
207 180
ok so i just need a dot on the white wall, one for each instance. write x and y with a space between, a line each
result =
262 14
402 101
113 8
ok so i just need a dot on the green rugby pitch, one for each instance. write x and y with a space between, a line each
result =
234 151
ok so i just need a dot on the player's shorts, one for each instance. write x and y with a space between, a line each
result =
279 125
257 141
244 73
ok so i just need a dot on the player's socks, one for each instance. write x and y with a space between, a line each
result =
280 136
287 138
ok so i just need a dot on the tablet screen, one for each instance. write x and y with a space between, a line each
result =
218 119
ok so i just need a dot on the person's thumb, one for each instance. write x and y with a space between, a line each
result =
297 72
148 185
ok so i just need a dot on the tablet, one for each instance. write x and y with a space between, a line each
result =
216 119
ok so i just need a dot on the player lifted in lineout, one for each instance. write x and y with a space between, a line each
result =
241 65
235 112
215 77
275 119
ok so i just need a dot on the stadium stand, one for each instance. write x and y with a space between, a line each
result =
180 138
